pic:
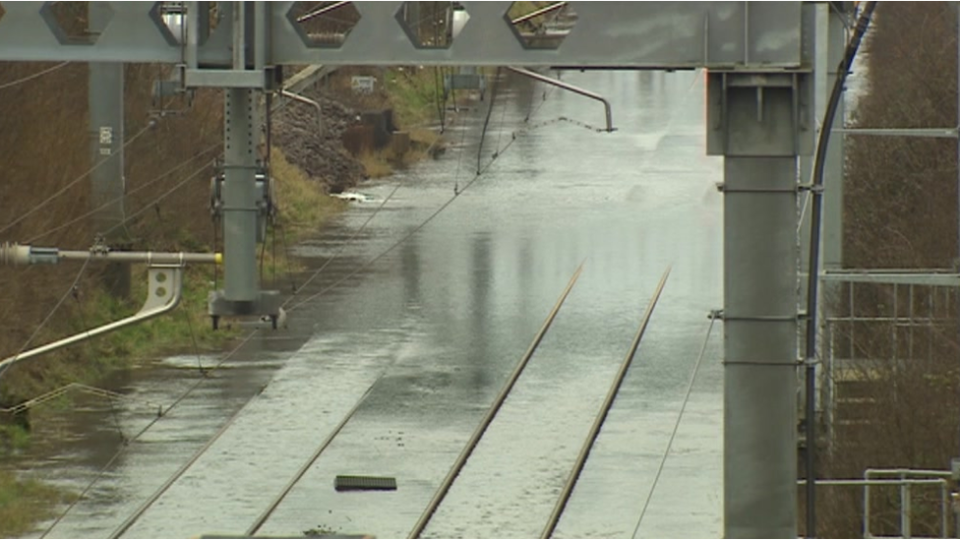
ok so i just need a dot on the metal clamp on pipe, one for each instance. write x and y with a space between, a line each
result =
16 254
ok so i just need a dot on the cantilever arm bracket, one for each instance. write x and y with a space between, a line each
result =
164 290
608 114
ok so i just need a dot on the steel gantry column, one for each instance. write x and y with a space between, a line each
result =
759 124
240 211
106 126
107 185
242 200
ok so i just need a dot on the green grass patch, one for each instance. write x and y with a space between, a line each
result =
23 503
303 203
13 438
413 95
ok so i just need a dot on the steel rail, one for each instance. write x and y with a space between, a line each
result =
602 416
491 413
262 518
133 518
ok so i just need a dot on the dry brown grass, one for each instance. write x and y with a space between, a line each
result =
376 164
900 212
44 144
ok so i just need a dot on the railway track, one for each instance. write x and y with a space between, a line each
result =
516 374
465 454
588 443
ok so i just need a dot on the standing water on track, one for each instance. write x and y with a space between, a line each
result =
425 337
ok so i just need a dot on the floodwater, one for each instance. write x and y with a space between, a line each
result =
421 340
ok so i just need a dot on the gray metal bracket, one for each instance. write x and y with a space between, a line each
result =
570 88
790 139
164 290
933 278
266 209
267 306
717 35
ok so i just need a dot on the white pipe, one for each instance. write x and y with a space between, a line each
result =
308 101
164 294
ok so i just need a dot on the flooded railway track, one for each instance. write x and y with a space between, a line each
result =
588 443
462 460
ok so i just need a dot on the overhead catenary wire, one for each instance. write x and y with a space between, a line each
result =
56 307
154 202
486 122
262 518
813 271
163 413
32 76
78 179
132 519
416 229
676 425
141 187
363 226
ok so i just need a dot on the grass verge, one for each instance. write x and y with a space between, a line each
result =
304 208
23 503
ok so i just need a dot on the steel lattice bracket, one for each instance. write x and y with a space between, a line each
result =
651 35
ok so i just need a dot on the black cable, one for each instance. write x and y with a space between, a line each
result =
437 100
32 76
46 319
486 122
150 124
263 253
286 250
273 255
216 243
813 271
196 344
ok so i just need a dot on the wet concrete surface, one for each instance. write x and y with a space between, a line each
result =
424 338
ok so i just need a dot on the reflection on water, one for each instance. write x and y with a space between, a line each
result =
427 335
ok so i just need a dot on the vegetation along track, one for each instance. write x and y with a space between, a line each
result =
581 460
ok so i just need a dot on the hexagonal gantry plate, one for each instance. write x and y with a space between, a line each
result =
76 23
171 19
324 24
541 25
432 25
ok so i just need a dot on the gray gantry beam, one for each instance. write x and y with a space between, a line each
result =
758 56
655 35
756 123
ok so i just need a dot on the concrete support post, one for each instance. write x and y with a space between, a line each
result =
107 185
106 127
241 133
758 123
